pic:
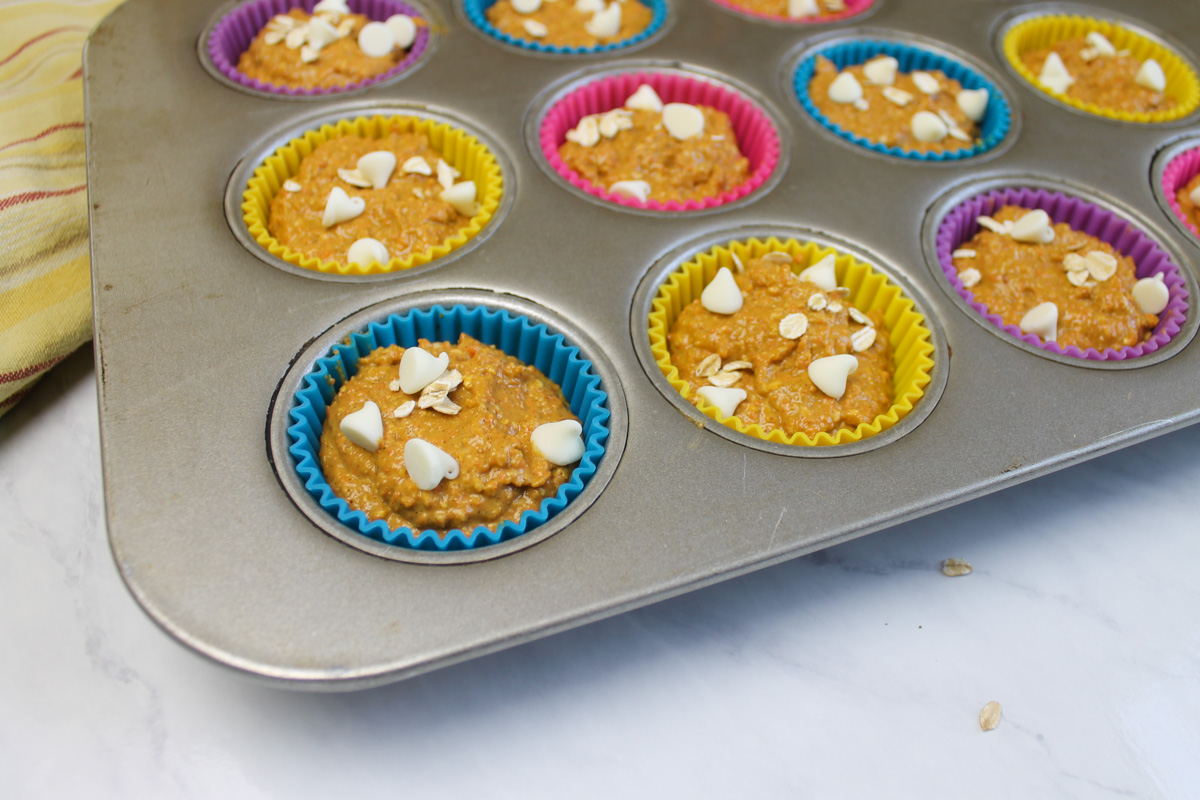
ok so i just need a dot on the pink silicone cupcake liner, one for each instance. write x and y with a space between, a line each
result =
853 9
960 225
233 33
756 135
1181 169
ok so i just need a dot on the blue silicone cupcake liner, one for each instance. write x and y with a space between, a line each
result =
993 129
476 11
518 336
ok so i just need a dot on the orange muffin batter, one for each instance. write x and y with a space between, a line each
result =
1013 277
702 166
771 368
779 8
406 215
1105 81
889 123
338 63
565 25
500 473
1184 197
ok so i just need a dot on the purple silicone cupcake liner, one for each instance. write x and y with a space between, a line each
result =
233 33
960 225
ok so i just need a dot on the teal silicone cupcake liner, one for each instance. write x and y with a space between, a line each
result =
518 336
995 124
476 11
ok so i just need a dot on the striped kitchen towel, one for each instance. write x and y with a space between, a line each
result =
45 287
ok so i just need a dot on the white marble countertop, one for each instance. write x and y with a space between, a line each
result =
859 671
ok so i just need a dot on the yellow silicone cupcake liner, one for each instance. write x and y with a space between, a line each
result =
460 150
869 291
1182 83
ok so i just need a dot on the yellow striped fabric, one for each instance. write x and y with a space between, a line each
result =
45 292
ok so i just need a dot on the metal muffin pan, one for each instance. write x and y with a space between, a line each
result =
195 333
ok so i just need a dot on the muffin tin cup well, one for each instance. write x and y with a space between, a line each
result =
952 222
997 129
233 28
475 12
276 158
854 10
919 346
1035 29
519 328
1174 167
757 126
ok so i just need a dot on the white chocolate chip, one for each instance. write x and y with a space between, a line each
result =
341 207
367 251
969 277
897 96
606 23
928 127
354 178
1041 320
645 99
1101 45
320 33
403 29
377 167
535 29
364 427
1151 294
963 252
845 89
586 133
1034 227
1054 74
292 186
376 39
1151 75
428 464
637 190
821 274
862 339
682 121
419 368
404 409
331 7
829 374
722 295
881 71
416 165
559 443
446 174
526 6
799 9
926 82
726 400
462 197
973 103
793 326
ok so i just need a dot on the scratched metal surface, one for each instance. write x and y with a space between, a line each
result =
194 334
